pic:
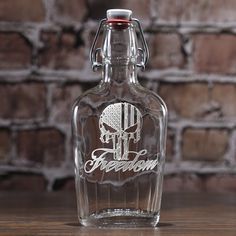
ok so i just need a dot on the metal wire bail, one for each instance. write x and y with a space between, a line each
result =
143 52
94 53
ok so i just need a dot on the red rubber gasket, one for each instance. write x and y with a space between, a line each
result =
115 21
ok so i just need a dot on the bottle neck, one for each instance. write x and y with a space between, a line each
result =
113 73
120 54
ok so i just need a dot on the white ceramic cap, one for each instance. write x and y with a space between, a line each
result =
119 14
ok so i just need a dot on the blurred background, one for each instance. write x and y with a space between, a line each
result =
44 66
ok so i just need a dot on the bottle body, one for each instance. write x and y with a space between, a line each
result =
119 145
119 135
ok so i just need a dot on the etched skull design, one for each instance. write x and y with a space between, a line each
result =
119 123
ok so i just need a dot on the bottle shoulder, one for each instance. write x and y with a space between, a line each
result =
151 99
89 96
104 94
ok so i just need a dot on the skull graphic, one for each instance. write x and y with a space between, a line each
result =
120 123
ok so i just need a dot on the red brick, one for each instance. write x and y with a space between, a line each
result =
41 147
22 101
165 51
204 144
67 184
67 12
101 7
203 11
214 53
62 101
62 51
22 182
22 10
224 96
185 99
140 9
172 184
221 183
15 51
198 101
183 183
5 144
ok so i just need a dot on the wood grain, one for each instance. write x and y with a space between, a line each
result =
182 214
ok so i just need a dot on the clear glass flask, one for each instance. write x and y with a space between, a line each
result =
119 133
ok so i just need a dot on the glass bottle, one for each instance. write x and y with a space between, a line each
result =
119 133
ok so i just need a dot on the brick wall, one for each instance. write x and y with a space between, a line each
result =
44 66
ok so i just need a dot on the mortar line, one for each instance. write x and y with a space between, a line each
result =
150 25
86 75
63 127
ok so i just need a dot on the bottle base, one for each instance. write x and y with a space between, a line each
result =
127 218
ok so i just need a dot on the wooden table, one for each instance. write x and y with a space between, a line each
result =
55 214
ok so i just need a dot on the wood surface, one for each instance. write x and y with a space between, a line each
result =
182 214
